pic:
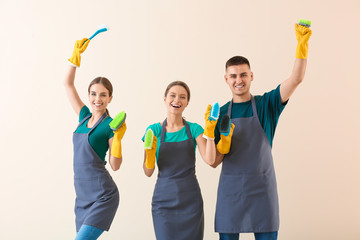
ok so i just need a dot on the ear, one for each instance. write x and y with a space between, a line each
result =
225 77
111 99
252 76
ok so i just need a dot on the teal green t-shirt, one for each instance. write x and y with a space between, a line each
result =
269 108
178 136
99 138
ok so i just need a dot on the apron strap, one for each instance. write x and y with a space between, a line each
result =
187 129
98 122
163 130
82 121
230 108
253 105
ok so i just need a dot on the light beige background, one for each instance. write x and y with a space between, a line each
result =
151 43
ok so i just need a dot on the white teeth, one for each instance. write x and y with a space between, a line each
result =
176 106
239 86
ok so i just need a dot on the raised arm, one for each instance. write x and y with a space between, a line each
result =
69 85
71 91
288 87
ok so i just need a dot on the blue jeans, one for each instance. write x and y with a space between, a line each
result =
87 232
258 236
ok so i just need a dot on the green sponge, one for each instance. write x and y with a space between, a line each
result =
305 23
117 121
149 137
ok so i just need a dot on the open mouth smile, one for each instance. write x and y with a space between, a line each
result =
175 106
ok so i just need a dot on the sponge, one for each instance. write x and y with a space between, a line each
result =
215 111
225 125
117 121
305 23
149 138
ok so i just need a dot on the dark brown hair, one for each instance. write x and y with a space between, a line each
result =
178 83
104 81
237 60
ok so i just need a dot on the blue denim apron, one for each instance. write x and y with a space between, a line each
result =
97 196
247 193
177 205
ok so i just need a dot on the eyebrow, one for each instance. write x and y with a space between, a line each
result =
99 93
234 74
183 94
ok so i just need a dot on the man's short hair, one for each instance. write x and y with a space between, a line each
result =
237 60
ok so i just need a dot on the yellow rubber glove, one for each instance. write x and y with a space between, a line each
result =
79 48
302 35
116 144
151 155
209 131
224 144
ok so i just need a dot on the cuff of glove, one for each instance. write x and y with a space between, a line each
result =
208 138
73 64
116 154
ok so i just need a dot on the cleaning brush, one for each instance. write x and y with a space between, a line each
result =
149 137
225 125
102 28
215 111
117 121
305 23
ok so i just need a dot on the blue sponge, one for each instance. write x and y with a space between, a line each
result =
215 111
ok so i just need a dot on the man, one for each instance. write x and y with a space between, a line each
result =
247 193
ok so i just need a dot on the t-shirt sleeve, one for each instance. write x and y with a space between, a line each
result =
273 98
84 112
196 130
269 110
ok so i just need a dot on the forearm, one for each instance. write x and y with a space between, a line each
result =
288 87
70 76
148 172
115 162
298 72
210 151
218 159
71 91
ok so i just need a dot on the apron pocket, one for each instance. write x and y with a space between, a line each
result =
87 189
178 197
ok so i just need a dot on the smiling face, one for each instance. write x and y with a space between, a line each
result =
176 100
239 78
99 97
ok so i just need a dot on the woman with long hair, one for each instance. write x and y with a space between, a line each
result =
177 205
97 196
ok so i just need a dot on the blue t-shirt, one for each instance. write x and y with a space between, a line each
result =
269 108
177 136
99 138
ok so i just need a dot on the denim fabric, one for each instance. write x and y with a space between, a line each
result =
87 232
